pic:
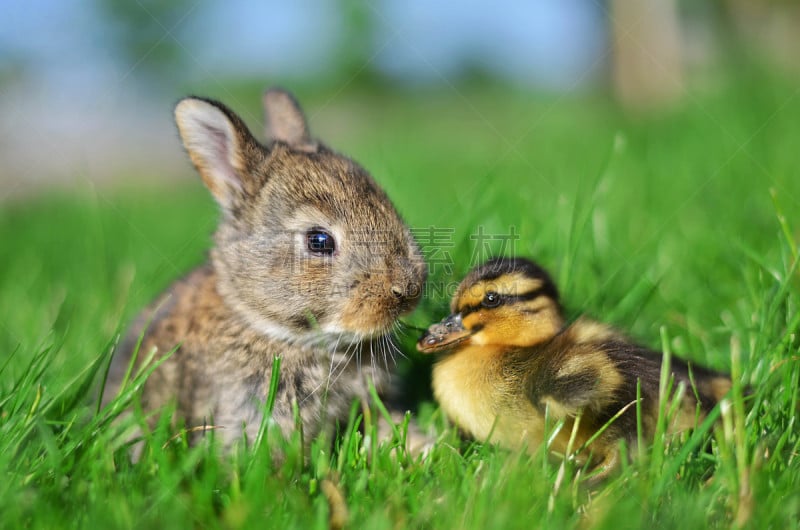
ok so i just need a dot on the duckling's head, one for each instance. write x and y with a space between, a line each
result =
504 302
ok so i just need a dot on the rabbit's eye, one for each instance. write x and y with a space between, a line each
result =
320 242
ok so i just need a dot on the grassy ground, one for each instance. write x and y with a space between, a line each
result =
682 229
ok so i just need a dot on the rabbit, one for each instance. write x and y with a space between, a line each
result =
311 262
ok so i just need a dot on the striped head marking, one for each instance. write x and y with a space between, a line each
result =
506 301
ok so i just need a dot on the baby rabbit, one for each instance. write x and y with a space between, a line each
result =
311 263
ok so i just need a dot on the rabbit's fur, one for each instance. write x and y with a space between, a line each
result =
265 293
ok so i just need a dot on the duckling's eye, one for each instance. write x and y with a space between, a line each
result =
320 242
491 299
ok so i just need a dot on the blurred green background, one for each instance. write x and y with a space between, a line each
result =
632 146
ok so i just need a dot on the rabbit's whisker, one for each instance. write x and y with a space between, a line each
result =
333 356
335 372
394 346
397 350
382 350
406 325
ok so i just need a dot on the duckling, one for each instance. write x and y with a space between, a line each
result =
507 358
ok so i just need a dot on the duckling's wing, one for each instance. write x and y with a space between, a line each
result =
599 378
642 365
569 380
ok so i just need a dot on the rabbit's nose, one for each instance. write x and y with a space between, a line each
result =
406 293
405 289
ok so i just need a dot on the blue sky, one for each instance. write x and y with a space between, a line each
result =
549 42
71 94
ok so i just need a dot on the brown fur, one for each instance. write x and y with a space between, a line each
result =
515 361
264 293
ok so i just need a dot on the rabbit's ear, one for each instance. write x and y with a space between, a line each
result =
285 121
220 146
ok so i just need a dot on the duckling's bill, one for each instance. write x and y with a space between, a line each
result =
443 335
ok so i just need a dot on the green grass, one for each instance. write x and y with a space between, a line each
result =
682 229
